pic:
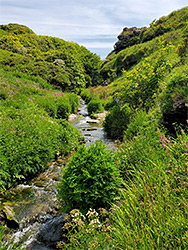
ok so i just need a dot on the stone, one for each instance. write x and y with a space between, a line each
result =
52 232
128 37
91 129
93 121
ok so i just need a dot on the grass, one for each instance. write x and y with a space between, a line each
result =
152 212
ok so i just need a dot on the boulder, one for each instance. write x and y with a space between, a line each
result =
128 37
52 232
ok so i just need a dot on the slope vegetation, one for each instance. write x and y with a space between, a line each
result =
66 65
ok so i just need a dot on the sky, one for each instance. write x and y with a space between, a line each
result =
94 24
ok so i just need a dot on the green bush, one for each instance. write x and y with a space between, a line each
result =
139 121
74 101
63 108
175 88
95 106
86 95
29 140
90 180
117 120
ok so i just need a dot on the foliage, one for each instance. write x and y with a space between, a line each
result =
117 120
170 29
29 137
86 95
153 211
65 65
87 232
89 167
174 88
158 81
95 106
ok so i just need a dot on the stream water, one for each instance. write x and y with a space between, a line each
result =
35 203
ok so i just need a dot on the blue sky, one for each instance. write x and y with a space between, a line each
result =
94 24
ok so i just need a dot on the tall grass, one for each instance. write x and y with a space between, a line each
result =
32 128
152 212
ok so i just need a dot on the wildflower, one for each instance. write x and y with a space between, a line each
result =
150 150
163 145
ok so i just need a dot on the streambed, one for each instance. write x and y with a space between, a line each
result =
35 203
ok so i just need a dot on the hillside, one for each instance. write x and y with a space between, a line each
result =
134 197
136 43
66 65
148 71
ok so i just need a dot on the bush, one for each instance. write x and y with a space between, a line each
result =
63 108
29 140
117 120
95 106
90 180
74 102
86 95
138 122
87 232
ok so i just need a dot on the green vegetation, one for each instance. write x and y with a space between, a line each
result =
152 209
66 65
89 167
87 231
95 106
33 127
170 29
139 192
150 76
147 88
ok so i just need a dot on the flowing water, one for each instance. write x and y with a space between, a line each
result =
35 203
91 129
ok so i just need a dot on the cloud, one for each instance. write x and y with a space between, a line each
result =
76 21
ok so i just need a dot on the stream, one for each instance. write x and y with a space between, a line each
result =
35 203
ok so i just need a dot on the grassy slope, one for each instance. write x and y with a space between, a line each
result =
33 126
152 213
151 75
65 65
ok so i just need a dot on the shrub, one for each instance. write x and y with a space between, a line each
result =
117 120
86 95
74 101
95 106
90 180
29 140
136 124
63 108
175 86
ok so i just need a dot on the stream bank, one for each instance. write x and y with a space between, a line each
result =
35 203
